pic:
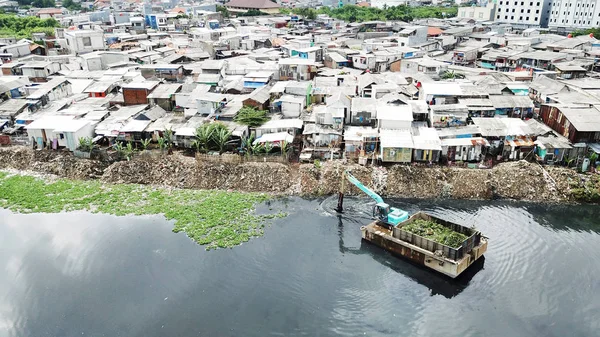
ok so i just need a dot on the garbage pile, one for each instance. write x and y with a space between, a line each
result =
251 176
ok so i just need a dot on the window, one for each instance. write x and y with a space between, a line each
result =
527 19
498 17
87 42
506 17
538 4
537 11
512 17
531 3
522 10
501 2
522 3
528 11
513 10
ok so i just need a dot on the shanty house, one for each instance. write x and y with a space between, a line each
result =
393 113
59 131
396 146
363 112
39 71
426 144
169 72
360 141
579 124
101 88
258 99
512 106
164 95
551 147
84 41
137 92
509 138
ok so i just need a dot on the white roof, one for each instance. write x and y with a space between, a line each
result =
358 133
396 138
464 141
53 122
275 137
441 88
426 139
282 124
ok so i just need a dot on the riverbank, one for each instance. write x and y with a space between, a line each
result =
212 218
512 180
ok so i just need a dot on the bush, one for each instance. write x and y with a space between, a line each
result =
251 117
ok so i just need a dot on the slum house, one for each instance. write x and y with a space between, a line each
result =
462 144
509 138
135 129
302 89
13 86
579 124
448 115
363 112
256 79
537 60
569 71
335 61
9 109
542 87
297 69
290 126
435 93
551 147
258 99
366 83
39 71
291 106
43 94
337 108
59 131
168 72
135 93
164 95
427 146
395 146
478 107
112 126
321 141
12 69
512 106
360 142
210 104
101 88
393 113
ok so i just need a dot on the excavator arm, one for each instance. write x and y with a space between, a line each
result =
389 215
378 199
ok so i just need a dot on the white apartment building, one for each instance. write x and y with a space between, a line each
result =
574 14
479 13
524 13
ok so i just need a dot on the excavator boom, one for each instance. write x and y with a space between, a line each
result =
385 213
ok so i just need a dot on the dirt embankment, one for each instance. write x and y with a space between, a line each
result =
515 180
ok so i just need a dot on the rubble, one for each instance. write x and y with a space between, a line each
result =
519 180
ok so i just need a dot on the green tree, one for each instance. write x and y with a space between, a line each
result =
223 10
71 5
251 117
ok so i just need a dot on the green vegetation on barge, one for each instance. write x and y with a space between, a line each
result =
212 218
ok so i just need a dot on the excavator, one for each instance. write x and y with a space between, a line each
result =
386 214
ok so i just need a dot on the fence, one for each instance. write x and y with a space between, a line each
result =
237 159
453 253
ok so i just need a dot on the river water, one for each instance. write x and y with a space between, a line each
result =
81 274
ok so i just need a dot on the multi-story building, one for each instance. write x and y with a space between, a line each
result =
524 13
479 13
572 15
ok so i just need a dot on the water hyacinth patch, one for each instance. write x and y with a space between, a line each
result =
212 218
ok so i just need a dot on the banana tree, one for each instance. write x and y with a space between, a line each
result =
221 138
145 143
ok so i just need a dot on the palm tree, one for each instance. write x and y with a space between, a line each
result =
247 145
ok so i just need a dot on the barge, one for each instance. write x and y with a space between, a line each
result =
450 261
